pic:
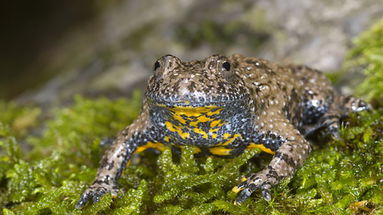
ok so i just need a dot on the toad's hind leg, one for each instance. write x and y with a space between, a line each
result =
340 108
347 105
330 121
351 104
317 104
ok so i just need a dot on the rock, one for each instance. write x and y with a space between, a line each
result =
114 54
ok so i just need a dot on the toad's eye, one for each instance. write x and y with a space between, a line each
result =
226 71
226 65
156 66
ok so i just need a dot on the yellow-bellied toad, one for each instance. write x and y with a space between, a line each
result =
223 106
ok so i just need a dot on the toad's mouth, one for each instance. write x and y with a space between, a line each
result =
197 103
196 99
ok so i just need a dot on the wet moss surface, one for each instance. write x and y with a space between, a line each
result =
46 162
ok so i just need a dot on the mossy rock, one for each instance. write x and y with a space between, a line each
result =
46 173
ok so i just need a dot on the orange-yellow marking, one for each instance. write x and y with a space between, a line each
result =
190 111
226 135
200 115
220 151
211 113
213 133
360 206
214 130
216 123
196 150
200 131
235 136
177 129
156 145
167 138
261 147
236 189
179 118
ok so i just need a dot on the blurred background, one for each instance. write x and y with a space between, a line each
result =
51 50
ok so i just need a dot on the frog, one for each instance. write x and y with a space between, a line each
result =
223 106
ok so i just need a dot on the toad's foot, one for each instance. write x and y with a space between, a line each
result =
261 180
95 192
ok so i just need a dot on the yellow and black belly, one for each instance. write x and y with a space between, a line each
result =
202 123
212 129
208 125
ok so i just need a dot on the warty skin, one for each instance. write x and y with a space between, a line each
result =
223 106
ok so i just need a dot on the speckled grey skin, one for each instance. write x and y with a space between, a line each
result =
223 106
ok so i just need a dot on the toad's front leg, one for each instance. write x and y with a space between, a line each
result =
290 151
128 141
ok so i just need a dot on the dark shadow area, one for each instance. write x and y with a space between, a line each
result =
28 30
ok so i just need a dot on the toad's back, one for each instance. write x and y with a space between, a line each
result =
300 93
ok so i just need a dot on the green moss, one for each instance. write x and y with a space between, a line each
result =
334 178
17 120
340 177
54 172
368 52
